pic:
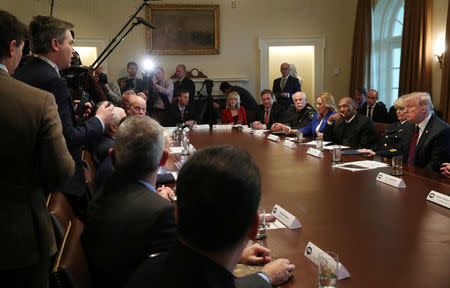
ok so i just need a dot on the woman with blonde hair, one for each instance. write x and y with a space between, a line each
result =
325 108
234 113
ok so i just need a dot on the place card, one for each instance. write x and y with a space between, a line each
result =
273 138
315 152
391 180
439 198
222 127
192 149
312 252
201 127
259 133
247 129
186 129
289 144
285 217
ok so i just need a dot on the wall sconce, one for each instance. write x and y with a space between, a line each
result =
439 49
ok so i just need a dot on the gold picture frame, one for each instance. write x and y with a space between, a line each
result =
183 29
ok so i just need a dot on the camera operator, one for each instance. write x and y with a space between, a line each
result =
162 95
110 89
131 82
51 42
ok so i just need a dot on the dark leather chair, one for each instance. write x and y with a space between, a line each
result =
61 214
71 269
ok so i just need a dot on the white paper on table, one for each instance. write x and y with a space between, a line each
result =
291 138
175 150
331 147
223 127
361 165
313 143
312 252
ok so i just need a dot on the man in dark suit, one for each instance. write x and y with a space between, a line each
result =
182 111
129 219
374 109
350 128
247 99
427 144
203 215
285 86
51 42
268 112
35 154
183 83
131 82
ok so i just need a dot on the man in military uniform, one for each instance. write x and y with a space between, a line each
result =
297 116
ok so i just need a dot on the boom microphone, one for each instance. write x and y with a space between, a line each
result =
142 21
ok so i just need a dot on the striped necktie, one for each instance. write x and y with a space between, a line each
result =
413 146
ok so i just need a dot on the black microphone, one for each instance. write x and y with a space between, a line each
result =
142 21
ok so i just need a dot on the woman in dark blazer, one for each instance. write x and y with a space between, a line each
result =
325 108
234 113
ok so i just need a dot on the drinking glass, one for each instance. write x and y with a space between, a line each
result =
299 136
336 153
397 162
328 269
262 224
319 143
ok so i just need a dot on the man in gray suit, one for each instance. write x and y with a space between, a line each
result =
35 155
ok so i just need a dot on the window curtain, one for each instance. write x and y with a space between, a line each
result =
362 44
445 86
416 55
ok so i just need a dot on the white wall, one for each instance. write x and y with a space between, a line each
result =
239 32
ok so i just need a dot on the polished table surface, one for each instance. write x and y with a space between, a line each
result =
385 236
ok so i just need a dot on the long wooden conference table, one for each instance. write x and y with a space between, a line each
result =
385 236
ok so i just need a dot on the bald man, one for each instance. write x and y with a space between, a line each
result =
285 86
350 128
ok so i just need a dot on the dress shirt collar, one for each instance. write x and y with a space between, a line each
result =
182 79
351 119
50 62
149 186
3 67
180 107
423 124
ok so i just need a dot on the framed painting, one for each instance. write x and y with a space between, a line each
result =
183 29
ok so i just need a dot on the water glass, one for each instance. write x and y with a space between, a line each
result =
262 225
336 153
328 269
397 162
319 143
299 136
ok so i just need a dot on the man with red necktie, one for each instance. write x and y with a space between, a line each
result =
268 112
427 142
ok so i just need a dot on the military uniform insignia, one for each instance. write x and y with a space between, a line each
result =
311 114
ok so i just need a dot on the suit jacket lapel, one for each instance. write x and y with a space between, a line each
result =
425 135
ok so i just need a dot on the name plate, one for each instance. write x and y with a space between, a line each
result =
192 149
391 180
186 129
312 252
259 133
273 138
315 152
439 198
289 144
285 217
201 127
222 127
247 129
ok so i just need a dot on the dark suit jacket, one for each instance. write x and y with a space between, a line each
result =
276 114
125 223
174 114
359 133
247 99
40 74
187 84
183 267
379 114
100 150
34 152
138 87
433 147
292 85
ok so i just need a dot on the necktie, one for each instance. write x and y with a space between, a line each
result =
177 83
283 83
413 146
266 117
369 111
